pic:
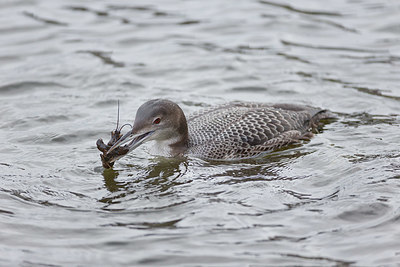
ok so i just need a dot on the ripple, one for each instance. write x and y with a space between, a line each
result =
249 88
365 118
172 224
292 57
365 212
322 260
86 9
44 20
336 48
6 212
104 57
302 11
189 22
336 25
26 86
376 92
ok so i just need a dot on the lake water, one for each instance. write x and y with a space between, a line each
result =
333 201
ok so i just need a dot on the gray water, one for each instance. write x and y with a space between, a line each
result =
332 201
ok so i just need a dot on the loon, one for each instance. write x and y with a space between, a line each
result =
235 130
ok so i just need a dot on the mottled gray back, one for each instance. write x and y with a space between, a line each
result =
242 130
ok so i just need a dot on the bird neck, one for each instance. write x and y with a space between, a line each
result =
180 144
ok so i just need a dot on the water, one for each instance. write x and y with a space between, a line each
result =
332 201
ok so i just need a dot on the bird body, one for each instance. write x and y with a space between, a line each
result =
243 130
229 131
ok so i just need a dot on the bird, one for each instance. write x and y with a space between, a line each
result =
229 131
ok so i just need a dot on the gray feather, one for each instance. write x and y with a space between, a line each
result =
243 130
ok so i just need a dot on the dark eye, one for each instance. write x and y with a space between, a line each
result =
157 121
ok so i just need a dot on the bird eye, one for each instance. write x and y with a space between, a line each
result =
157 121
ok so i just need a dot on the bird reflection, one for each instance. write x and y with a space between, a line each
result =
109 180
157 177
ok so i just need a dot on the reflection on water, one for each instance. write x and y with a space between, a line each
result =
109 180
330 201
158 177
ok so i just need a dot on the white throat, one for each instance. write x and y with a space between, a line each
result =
162 148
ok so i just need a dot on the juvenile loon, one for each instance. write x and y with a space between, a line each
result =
229 131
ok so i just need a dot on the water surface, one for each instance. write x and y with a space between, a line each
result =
332 201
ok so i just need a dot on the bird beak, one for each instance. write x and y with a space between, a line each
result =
134 139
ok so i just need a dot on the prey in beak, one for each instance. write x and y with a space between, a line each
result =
119 146
132 140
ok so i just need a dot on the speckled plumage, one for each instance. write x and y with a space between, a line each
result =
243 130
230 131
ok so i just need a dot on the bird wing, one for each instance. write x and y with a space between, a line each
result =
242 130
